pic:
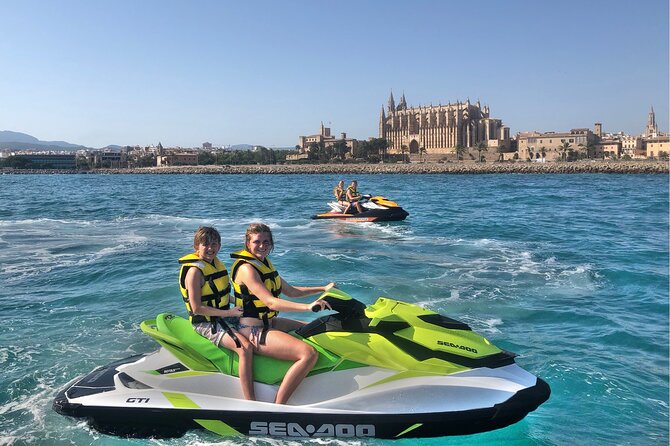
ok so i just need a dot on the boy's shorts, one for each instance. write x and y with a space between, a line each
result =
205 329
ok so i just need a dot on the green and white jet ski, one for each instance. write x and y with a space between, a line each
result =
388 370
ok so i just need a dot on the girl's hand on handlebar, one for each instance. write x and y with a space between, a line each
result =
319 305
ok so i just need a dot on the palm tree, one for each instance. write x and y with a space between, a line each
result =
423 152
590 149
340 149
460 150
564 147
481 147
501 149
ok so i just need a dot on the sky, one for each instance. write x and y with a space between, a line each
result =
131 72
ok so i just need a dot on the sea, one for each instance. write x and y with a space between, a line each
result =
568 271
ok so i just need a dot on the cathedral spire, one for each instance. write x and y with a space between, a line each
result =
391 105
402 105
382 120
652 128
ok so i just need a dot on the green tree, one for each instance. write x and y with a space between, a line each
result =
378 147
403 150
564 148
460 151
263 155
423 152
340 148
318 152
500 150
481 147
206 158
81 162
146 161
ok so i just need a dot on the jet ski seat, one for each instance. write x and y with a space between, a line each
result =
194 351
198 353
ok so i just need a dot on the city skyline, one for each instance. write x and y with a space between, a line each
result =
266 72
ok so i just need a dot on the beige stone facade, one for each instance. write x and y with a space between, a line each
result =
607 148
632 146
177 159
324 137
658 147
549 145
437 130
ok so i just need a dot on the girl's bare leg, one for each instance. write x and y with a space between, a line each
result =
245 369
281 345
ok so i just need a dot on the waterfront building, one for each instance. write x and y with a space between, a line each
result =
50 160
324 138
177 159
658 147
632 146
551 146
437 130
607 148
108 158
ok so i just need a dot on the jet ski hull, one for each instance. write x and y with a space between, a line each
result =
394 214
375 208
386 370
141 413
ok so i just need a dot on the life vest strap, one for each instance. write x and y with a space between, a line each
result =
217 275
264 331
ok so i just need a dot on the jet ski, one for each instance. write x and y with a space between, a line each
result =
389 370
375 208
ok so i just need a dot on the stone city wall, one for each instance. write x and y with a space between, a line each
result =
654 167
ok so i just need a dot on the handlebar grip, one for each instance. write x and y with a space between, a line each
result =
316 308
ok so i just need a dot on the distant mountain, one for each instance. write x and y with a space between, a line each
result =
8 136
22 141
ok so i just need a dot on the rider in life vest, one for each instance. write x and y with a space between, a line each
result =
257 286
205 289
353 197
251 305
340 194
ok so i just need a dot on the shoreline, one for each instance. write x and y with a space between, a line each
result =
462 168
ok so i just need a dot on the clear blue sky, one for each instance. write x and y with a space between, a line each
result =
264 72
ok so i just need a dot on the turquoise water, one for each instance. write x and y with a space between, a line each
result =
568 271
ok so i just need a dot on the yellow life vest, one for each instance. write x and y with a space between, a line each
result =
340 194
215 290
354 192
251 305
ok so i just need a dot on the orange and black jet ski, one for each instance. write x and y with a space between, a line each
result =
375 208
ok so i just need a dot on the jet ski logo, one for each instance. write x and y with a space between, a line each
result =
281 429
452 345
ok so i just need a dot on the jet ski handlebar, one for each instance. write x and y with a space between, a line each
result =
342 303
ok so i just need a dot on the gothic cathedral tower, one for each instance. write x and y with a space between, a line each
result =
652 129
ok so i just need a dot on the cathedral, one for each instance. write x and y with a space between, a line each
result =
438 130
